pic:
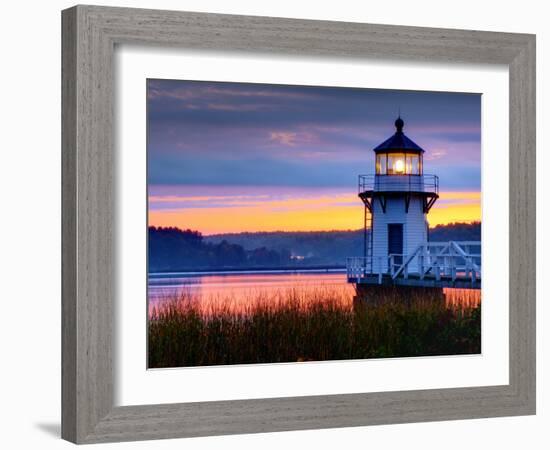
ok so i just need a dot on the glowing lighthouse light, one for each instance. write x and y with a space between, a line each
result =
399 166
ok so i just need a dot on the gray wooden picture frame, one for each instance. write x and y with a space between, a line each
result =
90 34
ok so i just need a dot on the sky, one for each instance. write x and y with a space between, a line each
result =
234 157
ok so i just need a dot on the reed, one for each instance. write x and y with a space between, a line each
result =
298 325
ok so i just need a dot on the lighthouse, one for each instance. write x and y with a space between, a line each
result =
397 200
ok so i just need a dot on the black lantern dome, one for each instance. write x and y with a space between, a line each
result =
399 142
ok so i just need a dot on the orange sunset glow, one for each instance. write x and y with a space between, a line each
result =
322 213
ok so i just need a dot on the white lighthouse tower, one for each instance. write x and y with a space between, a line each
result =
396 251
397 199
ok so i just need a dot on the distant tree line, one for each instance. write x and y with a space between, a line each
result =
456 232
175 249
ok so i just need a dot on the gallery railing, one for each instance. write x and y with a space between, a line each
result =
399 183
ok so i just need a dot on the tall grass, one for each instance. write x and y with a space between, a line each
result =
296 325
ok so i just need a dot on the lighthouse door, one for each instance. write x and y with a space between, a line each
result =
395 241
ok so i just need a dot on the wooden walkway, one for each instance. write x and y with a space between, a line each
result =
433 264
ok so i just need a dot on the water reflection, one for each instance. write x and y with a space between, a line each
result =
238 292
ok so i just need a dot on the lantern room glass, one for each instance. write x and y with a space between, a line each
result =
395 163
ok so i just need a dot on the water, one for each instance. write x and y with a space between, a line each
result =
239 290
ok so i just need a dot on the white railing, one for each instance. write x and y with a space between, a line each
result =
357 267
454 260
399 183
360 267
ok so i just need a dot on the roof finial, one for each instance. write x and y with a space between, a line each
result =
399 122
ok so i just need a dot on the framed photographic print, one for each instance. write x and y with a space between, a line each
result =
263 247
268 222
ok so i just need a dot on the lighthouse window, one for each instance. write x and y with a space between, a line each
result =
415 167
381 164
408 164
